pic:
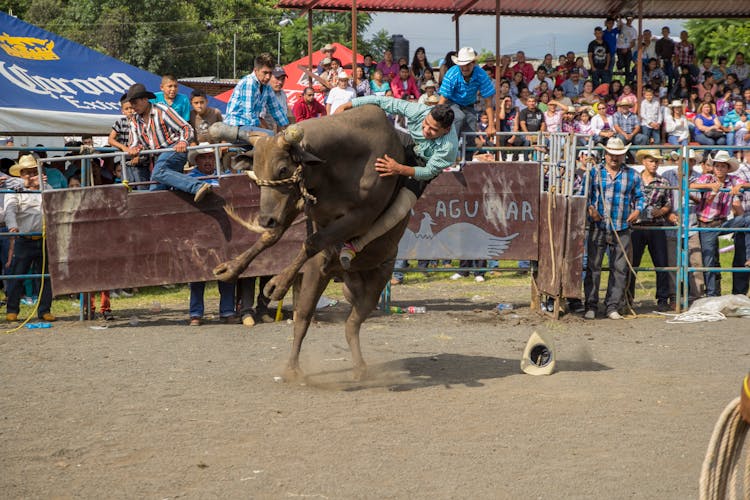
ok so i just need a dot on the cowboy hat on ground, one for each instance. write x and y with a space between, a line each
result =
724 157
616 147
465 56
647 153
26 162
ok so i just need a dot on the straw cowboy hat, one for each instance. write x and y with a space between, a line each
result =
138 90
616 147
677 103
25 162
624 102
465 56
429 83
433 99
193 153
647 153
724 157
328 48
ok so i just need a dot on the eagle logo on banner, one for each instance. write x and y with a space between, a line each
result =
28 48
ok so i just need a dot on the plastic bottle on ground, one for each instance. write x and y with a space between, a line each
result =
504 306
416 310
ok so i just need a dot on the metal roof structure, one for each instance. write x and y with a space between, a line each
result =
659 9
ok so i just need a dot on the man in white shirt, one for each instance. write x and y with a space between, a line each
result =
541 76
651 117
340 94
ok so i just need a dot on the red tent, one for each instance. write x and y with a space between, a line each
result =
296 80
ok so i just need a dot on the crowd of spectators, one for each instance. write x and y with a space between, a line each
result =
682 103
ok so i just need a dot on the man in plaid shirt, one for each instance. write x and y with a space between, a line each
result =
657 211
137 169
684 54
714 209
627 125
252 96
157 126
615 201
741 281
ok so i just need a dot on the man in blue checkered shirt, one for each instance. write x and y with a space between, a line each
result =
252 95
459 89
615 201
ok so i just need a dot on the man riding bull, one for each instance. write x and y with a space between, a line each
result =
431 146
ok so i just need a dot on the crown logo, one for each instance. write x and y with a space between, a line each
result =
28 48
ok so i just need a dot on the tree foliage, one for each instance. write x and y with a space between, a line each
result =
719 37
191 37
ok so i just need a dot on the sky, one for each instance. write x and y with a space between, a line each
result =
535 36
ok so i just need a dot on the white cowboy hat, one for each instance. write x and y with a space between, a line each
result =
677 103
465 56
724 157
25 162
328 48
429 83
193 153
616 147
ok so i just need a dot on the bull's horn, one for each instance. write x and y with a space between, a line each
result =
252 175
294 134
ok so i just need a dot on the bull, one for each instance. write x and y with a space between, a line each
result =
323 167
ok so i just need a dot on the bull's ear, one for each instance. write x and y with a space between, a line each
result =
307 158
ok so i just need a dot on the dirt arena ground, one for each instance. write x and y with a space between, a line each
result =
160 410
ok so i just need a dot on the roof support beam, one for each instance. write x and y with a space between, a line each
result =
309 7
464 9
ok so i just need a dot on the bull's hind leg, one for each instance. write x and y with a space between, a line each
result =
362 290
307 291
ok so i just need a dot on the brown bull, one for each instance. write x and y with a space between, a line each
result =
326 167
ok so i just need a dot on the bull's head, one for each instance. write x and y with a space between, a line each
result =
275 162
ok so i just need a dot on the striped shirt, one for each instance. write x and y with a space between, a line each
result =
456 89
163 128
712 208
122 130
248 101
617 196
439 153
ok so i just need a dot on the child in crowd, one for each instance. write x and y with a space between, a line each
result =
136 167
202 116
169 96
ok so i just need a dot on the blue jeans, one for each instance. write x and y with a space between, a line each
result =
710 250
226 299
651 133
638 139
672 139
168 173
707 141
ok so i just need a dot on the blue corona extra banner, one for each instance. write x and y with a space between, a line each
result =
50 85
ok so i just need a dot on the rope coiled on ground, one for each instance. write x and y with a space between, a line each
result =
720 474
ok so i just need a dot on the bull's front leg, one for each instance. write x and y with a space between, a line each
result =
230 270
338 231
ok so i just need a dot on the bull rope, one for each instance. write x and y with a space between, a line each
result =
720 473
296 178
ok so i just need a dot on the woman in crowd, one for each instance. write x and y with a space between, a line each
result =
676 125
682 89
588 97
601 125
429 74
362 87
377 85
517 84
708 129
447 63
628 96
419 64
615 89
553 116
543 103
581 68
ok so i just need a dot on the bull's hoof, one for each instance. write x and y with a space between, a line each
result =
276 288
224 272
293 374
359 373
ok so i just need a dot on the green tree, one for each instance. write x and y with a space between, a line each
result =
719 37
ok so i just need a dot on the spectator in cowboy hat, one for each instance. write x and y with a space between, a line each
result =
614 203
157 126
23 214
627 124
459 89
714 209
327 50
429 88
